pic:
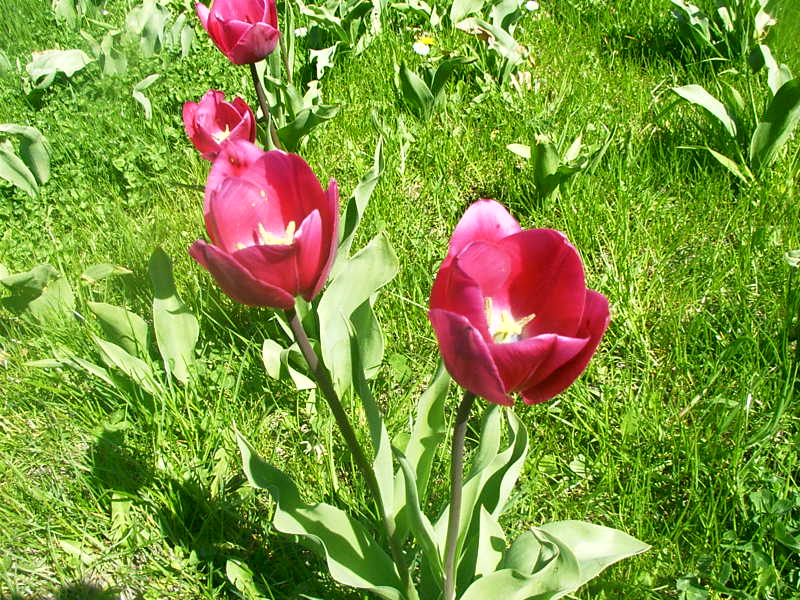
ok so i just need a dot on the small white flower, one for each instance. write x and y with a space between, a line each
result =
421 48
301 32
532 5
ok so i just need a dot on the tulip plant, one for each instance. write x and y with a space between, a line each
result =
511 313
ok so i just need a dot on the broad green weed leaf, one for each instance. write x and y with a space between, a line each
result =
415 91
47 63
55 302
141 98
176 327
123 327
352 553
14 170
697 95
595 547
520 150
775 126
136 369
27 286
95 273
362 276
33 149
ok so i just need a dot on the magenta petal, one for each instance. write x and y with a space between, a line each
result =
467 356
293 184
234 160
272 265
485 220
256 43
489 265
547 281
593 325
236 281
309 256
330 235
202 14
456 292
533 359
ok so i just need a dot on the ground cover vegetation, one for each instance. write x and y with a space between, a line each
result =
123 480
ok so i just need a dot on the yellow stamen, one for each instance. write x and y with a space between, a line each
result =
502 326
221 136
270 239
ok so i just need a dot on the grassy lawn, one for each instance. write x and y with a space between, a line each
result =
683 431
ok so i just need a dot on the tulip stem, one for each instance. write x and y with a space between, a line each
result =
262 102
456 483
325 384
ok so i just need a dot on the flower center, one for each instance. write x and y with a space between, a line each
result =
502 326
270 239
221 135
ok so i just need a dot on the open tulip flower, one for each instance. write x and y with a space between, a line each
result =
511 310
244 30
212 122
273 229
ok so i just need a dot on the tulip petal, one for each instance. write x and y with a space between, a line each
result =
547 281
292 182
330 234
236 281
254 44
533 359
489 265
202 14
309 244
467 356
234 160
485 220
456 292
593 325
272 265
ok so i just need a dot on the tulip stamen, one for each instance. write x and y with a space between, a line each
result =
221 135
270 239
503 327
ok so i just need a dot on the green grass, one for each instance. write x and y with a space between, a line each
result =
678 433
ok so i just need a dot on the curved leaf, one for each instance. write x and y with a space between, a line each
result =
697 95
776 125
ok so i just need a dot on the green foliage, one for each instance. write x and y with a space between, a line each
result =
426 94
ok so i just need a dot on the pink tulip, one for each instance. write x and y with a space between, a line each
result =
244 30
511 310
273 229
213 122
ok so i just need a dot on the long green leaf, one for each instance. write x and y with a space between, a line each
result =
15 171
352 553
123 327
33 149
415 91
135 368
697 95
775 126
176 327
362 276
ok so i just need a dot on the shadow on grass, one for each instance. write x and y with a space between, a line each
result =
80 590
210 528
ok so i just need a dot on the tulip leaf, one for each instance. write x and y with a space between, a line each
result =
136 369
493 473
123 327
175 326
415 91
461 8
776 125
359 278
443 72
112 60
41 293
595 547
33 149
147 22
427 433
484 552
353 556
382 465
697 95
95 273
76 363
418 522
48 63
356 206
545 168
369 337
278 366
520 150
14 170
307 119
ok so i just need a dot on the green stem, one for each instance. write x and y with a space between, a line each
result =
456 483
323 379
262 102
